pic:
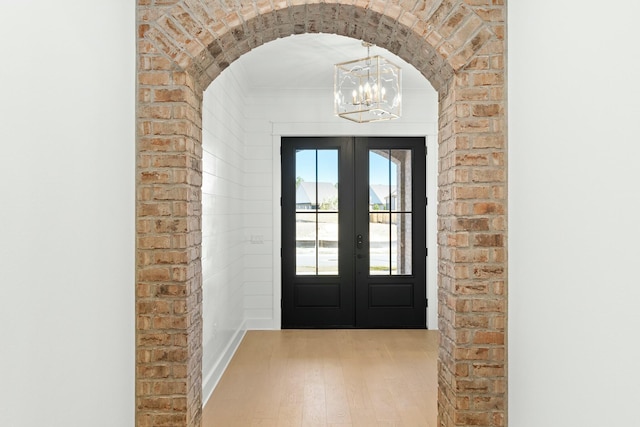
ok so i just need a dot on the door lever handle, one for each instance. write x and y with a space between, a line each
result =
359 241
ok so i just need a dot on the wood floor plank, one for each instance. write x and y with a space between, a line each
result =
337 406
339 378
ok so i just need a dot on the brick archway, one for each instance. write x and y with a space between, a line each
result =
457 45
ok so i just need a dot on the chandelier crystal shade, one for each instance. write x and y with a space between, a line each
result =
368 89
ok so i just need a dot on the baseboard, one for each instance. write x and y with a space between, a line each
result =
260 324
210 380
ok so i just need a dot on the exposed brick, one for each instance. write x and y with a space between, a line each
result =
463 34
169 322
154 371
474 353
498 417
169 388
453 21
143 227
472 159
478 63
477 93
488 79
170 160
153 306
176 290
456 240
470 255
484 208
154 177
488 272
154 274
169 355
472 418
488 370
488 175
488 240
155 403
179 94
171 257
469 192
170 420
154 209
486 110
164 144
153 339
487 305
471 125
499 224
178 225
488 141
462 371
485 337
474 385
488 403
156 78
472 224
154 242
471 321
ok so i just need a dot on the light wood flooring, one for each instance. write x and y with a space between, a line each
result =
347 377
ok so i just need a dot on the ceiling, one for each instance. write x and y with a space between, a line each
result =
307 60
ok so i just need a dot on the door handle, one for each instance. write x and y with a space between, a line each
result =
359 241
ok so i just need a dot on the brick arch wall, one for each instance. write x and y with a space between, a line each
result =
458 45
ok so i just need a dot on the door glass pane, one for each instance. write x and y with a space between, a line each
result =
327 243
400 180
379 243
379 182
327 180
306 180
390 191
306 248
317 212
401 244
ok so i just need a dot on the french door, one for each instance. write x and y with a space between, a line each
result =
353 232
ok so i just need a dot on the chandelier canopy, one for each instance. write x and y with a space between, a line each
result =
368 89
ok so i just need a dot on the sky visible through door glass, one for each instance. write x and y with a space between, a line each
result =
306 168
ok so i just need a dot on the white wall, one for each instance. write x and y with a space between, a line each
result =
574 283
222 226
259 214
67 159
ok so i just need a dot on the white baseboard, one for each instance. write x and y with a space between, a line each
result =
210 380
260 324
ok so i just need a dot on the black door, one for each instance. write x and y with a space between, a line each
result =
353 232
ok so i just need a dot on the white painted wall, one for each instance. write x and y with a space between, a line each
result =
67 212
574 198
223 233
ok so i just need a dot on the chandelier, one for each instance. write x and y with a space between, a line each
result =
368 89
